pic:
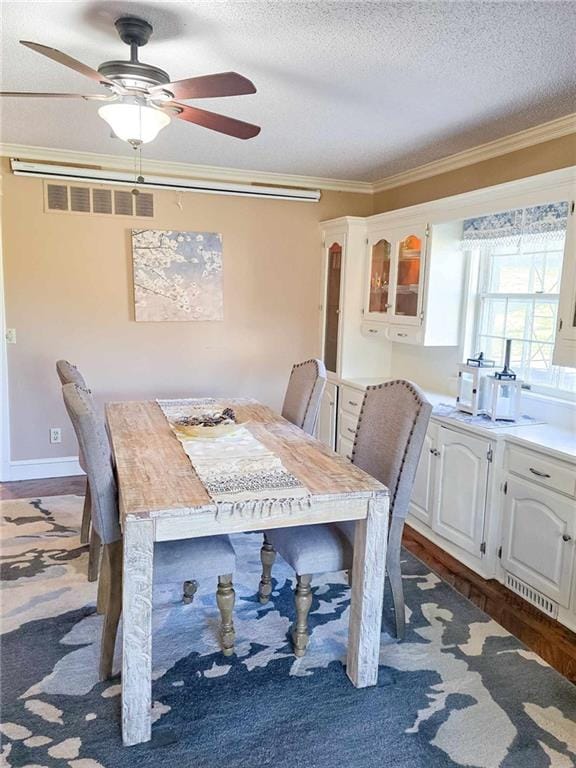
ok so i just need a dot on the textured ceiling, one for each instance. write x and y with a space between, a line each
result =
348 90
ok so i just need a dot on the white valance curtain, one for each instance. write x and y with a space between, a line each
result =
539 223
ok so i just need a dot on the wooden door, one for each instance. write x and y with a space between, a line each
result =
332 302
538 538
461 483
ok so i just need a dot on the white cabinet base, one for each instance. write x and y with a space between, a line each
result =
483 566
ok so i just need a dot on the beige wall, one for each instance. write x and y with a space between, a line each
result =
69 294
433 367
548 156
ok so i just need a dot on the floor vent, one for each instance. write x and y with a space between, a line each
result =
532 596
67 198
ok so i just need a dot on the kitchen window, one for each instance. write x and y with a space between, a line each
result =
519 255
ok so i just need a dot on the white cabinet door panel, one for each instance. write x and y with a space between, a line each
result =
538 545
462 478
422 494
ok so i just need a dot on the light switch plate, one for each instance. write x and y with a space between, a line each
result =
11 335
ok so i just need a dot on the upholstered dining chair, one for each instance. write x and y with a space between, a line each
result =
303 395
206 557
389 438
69 374
301 407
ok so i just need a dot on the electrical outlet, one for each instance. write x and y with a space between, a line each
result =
10 335
55 435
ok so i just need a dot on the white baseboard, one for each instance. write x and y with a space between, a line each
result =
39 469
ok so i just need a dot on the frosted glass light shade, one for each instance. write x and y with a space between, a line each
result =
134 123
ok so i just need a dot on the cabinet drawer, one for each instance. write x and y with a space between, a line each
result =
351 400
345 447
541 470
348 423
405 334
374 330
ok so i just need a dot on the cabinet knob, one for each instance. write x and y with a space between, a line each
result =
566 537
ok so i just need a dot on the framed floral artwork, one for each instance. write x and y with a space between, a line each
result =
177 275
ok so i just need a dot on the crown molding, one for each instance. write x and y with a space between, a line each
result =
554 129
181 170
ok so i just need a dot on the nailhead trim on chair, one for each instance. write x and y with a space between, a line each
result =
299 365
408 385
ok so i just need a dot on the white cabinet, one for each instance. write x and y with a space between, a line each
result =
565 345
326 429
414 281
450 490
347 351
538 538
461 483
395 274
423 491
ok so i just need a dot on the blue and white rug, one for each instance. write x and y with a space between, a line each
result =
460 691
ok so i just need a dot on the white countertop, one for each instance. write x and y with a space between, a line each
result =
551 439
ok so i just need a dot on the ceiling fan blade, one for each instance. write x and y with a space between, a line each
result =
34 95
214 121
209 86
67 61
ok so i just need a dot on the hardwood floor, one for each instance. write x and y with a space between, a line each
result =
552 641
549 639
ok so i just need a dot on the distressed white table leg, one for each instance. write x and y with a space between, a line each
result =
137 631
368 573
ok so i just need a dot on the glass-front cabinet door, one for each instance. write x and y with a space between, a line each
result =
410 251
332 306
380 273
395 275
380 278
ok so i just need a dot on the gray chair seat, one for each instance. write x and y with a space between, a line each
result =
315 548
389 439
204 558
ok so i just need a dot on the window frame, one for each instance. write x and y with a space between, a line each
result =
481 264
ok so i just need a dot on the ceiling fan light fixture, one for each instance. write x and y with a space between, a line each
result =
135 123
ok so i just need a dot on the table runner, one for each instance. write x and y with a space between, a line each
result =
236 469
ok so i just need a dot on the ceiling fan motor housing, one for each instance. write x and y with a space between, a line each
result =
134 32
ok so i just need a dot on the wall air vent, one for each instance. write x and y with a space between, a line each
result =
80 199
532 596
123 202
101 200
56 197
68 198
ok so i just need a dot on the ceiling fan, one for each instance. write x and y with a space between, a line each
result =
141 99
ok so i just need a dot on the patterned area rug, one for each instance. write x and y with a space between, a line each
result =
460 691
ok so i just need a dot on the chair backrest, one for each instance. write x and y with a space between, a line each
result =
69 374
302 399
390 436
95 446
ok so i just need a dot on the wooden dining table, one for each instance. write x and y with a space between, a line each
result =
162 498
